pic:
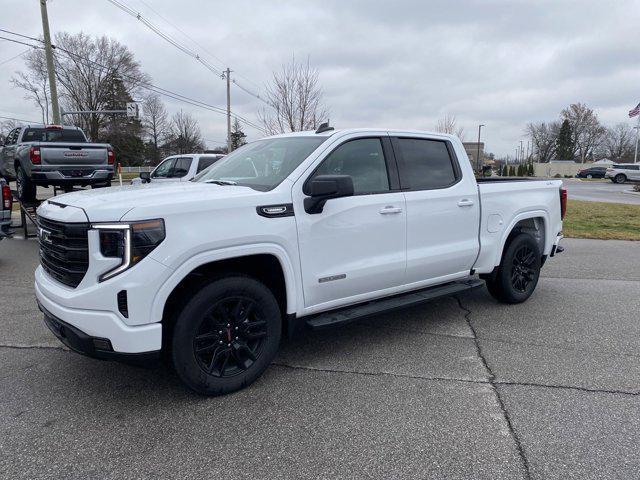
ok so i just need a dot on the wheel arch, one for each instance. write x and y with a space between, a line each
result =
535 223
268 263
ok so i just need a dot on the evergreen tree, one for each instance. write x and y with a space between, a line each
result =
532 171
512 171
122 132
238 137
564 142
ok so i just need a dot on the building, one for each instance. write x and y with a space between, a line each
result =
472 152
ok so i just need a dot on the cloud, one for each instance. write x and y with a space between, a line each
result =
397 64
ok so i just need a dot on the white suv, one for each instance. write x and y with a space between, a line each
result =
622 172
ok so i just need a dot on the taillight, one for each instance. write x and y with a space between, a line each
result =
563 202
7 199
111 158
34 155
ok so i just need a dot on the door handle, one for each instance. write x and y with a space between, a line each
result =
465 202
390 209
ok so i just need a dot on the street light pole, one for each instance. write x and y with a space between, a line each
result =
48 52
478 157
228 76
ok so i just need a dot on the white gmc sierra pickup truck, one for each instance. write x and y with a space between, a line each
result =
309 228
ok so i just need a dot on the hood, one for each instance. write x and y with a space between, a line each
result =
112 204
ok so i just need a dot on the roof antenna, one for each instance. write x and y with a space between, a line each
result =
324 127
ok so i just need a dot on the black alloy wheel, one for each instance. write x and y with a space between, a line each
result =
523 268
230 337
226 335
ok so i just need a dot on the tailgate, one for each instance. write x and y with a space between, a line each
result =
73 154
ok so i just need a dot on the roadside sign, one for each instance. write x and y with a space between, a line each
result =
132 109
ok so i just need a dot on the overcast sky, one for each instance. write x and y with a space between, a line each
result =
396 64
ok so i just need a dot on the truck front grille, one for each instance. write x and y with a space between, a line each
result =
64 250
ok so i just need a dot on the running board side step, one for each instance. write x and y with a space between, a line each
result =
357 312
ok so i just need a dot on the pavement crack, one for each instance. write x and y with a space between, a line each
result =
492 382
32 347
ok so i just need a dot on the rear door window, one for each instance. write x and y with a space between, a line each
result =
425 164
205 162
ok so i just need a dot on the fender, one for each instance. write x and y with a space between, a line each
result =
224 254
544 214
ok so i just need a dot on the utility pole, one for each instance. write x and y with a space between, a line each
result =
48 51
478 157
227 74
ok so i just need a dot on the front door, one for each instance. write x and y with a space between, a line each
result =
355 247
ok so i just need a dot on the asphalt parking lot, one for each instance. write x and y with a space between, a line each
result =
459 388
601 191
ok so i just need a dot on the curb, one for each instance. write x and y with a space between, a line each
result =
631 192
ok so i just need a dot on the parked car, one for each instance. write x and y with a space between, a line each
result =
54 155
179 168
308 228
622 172
592 172
5 209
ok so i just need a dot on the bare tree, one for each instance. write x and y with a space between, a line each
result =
588 133
35 82
156 125
185 134
295 100
86 69
543 139
448 124
619 143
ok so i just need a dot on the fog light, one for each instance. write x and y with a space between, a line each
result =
102 344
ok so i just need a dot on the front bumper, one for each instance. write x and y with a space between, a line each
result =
125 339
95 347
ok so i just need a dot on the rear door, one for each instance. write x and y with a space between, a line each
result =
443 211
355 247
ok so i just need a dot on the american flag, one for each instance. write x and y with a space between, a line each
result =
635 111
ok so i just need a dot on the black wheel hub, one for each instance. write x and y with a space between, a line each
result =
230 337
523 268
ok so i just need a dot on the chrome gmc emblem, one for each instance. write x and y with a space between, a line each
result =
45 235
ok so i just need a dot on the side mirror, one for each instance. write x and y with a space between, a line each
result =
145 176
325 187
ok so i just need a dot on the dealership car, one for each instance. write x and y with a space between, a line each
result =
54 155
303 229
592 172
622 172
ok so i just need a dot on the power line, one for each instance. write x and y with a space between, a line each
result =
145 85
20 120
16 56
165 36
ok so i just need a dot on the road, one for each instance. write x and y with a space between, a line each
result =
458 388
606 191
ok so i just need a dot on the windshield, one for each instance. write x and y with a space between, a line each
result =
261 165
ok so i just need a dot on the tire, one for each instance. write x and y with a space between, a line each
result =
226 336
589 176
515 279
25 188
619 178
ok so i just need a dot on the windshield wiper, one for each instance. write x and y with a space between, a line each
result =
221 182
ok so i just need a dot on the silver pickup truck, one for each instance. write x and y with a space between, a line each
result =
54 155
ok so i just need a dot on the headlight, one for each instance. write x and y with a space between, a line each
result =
130 242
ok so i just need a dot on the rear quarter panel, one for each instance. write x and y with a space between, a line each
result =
504 204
